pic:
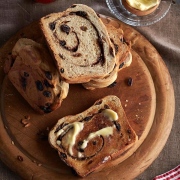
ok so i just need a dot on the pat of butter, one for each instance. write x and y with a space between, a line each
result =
112 115
102 132
142 5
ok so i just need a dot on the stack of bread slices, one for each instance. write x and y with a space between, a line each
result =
81 49
85 50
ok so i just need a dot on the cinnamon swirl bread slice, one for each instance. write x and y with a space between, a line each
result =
123 59
35 76
88 140
80 44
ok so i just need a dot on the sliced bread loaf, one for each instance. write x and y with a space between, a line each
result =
89 139
80 44
35 76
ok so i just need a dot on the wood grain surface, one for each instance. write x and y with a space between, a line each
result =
148 103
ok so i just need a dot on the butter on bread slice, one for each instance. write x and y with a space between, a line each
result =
80 44
35 76
88 140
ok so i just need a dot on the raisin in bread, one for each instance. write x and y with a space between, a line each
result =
80 44
35 76
123 59
89 139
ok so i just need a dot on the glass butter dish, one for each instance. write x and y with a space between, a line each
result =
118 8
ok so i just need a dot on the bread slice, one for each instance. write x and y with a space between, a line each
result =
123 59
35 76
88 140
80 44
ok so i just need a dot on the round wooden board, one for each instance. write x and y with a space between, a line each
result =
148 103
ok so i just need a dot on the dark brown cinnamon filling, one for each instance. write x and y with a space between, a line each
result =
65 28
118 127
60 127
79 13
72 49
101 58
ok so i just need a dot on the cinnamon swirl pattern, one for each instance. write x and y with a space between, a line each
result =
123 59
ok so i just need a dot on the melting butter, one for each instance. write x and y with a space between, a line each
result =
80 155
71 135
59 132
112 115
142 5
102 132
58 142
78 126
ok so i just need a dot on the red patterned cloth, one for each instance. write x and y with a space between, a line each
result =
173 174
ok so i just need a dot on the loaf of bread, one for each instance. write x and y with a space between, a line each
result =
88 140
34 75
80 44
123 59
